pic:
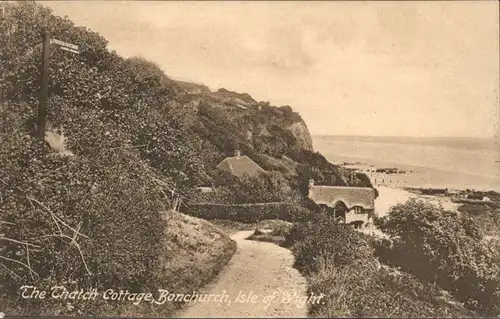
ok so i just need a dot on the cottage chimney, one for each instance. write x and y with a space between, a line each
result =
311 183
237 153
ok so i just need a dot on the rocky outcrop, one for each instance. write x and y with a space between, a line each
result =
242 120
244 97
192 88
301 133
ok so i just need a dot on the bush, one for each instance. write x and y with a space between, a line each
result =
270 187
486 215
338 262
281 229
355 291
313 165
269 163
443 247
324 236
264 188
108 196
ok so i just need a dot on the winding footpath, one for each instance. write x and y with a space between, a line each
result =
258 268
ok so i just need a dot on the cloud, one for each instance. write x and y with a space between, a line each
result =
381 68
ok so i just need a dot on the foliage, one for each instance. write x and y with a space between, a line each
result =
313 165
322 235
354 291
265 187
129 97
215 125
339 263
253 130
443 247
269 163
486 215
109 196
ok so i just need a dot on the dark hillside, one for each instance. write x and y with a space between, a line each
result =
84 206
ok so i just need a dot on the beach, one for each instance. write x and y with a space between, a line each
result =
390 196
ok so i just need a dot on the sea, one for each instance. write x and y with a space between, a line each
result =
428 162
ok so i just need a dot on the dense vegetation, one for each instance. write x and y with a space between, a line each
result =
444 248
88 212
486 215
341 263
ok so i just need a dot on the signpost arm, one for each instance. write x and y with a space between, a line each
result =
42 108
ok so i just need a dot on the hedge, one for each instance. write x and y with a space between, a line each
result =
249 213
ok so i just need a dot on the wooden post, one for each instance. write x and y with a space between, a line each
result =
44 86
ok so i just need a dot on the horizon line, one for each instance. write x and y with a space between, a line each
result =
404 136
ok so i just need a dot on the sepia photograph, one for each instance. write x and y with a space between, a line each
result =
249 159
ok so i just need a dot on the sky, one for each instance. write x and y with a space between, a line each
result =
349 68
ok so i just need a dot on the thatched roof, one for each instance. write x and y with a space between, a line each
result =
239 166
351 196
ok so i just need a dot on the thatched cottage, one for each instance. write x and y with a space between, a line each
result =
239 165
349 203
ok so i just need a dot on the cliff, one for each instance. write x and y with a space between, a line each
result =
301 134
250 125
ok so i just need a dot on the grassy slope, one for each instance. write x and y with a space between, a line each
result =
198 251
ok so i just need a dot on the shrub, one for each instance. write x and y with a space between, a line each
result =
443 247
281 229
313 165
269 238
323 236
354 291
338 262
269 163
108 196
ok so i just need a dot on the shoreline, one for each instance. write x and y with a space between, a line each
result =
394 173
420 177
391 196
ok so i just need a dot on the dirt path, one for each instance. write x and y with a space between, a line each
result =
261 269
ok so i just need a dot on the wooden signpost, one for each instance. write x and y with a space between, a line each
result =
66 46
44 86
